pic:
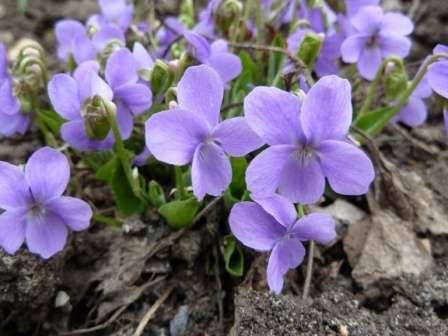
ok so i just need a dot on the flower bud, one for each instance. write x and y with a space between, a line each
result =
161 78
227 15
310 48
395 79
96 119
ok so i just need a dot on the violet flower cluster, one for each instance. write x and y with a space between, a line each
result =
261 106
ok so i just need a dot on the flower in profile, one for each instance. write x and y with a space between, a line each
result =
192 133
12 120
308 143
216 55
34 209
415 112
271 224
73 41
438 72
82 100
113 12
377 35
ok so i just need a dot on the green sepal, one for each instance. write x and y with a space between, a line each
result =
310 48
179 214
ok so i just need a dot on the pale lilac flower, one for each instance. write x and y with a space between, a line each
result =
142 57
216 55
308 143
415 112
352 8
378 35
116 12
73 41
12 120
438 73
69 94
35 211
193 133
271 224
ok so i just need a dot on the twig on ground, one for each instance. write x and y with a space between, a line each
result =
150 313
417 143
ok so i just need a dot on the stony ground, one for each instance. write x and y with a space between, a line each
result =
386 274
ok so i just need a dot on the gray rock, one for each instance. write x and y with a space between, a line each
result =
391 251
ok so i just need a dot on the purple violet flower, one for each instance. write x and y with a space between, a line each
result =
73 40
271 224
34 209
308 143
216 55
378 35
12 120
438 73
192 133
69 94
116 12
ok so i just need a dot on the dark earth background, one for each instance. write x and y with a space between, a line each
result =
386 274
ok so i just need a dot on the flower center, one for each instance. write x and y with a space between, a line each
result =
37 210
372 41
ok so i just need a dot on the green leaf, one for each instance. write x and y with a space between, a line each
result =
179 214
238 184
156 194
113 173
96 160
373 122
233 256
52 120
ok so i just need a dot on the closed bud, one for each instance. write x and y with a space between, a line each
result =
96 119
161 78
227 15
395 79
310 48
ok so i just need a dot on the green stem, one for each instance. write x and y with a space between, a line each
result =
106 220
309 271
181 193
309 265
121 152
371 93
